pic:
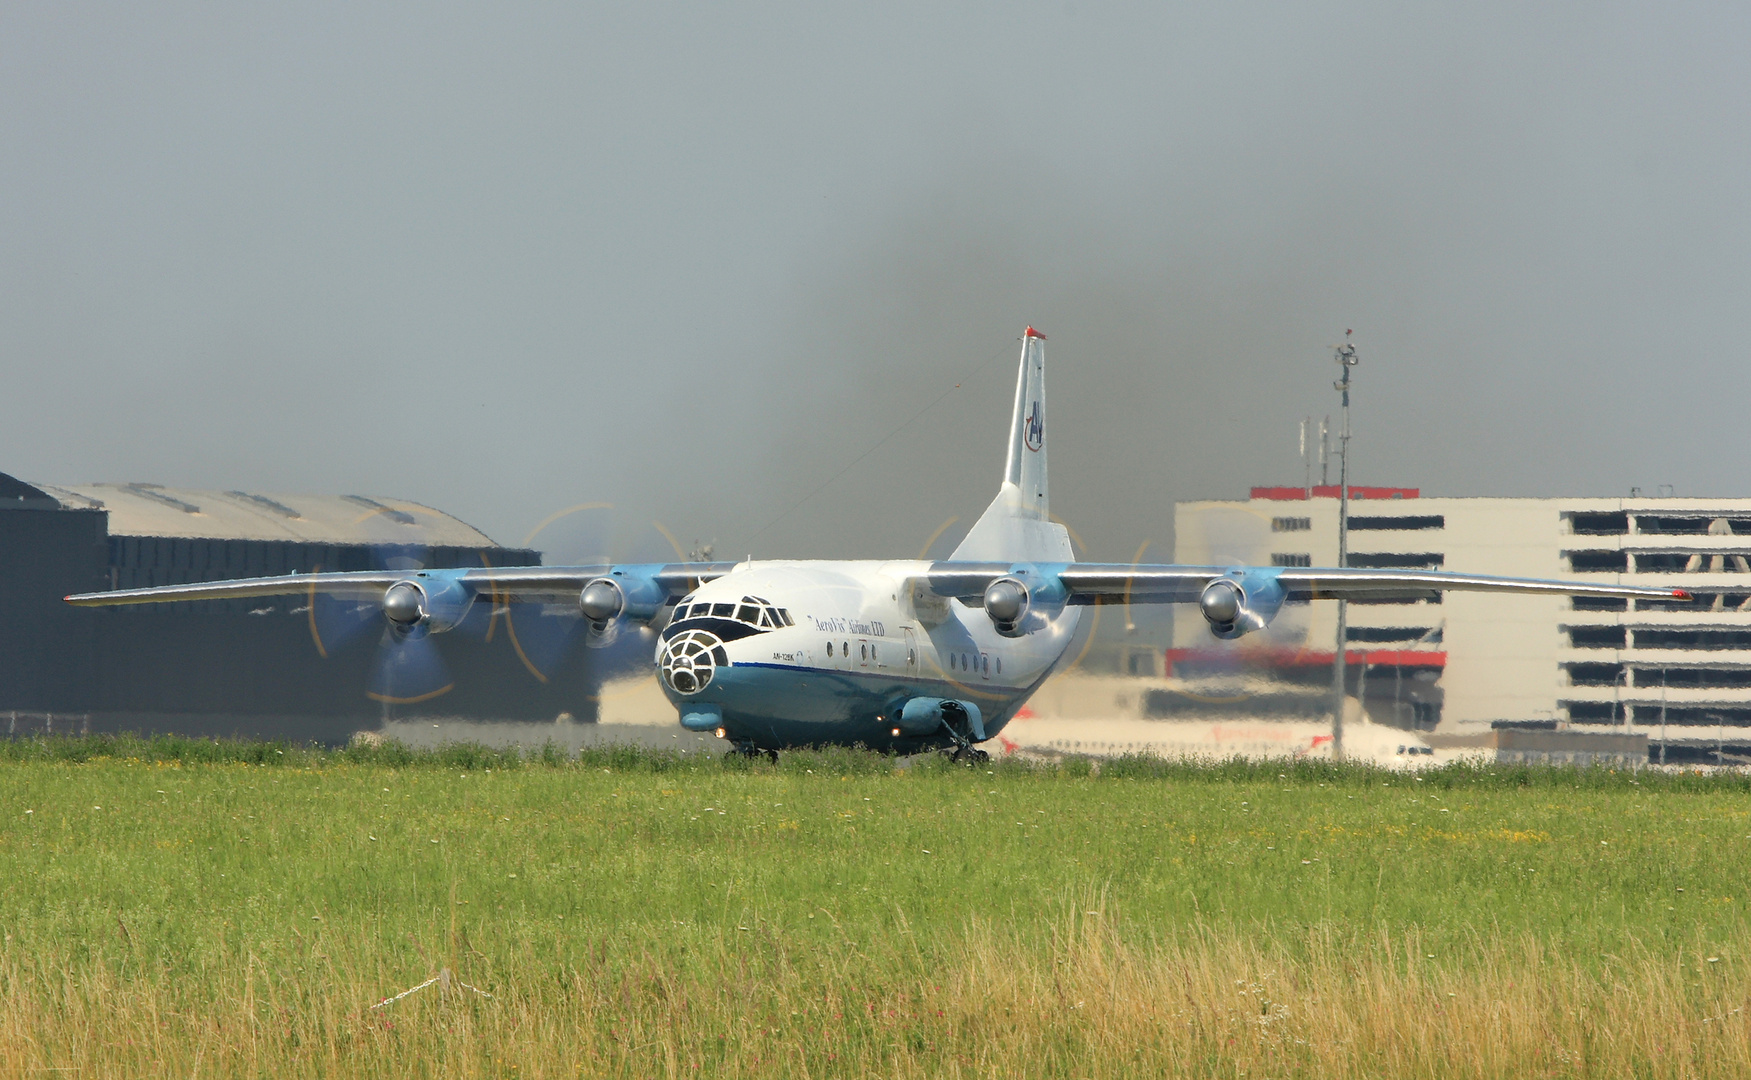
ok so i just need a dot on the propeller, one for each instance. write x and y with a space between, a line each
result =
1239 536
588 534
943 541
408 667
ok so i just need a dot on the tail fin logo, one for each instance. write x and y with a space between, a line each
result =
1033 429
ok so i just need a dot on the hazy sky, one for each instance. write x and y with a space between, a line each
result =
697 260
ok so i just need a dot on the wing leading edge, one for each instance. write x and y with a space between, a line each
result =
1160 584
1085 583
538 584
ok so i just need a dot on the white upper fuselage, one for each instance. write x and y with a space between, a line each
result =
862 638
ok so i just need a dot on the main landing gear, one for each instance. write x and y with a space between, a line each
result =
964 751
970 755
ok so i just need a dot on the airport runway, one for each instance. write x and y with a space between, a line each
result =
1072 716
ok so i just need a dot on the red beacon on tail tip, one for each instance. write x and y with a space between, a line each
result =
1031 332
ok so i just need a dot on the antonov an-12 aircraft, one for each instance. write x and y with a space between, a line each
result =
900 656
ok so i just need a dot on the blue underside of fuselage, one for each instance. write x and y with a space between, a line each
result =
774 706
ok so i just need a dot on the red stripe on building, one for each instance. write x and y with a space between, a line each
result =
1330 491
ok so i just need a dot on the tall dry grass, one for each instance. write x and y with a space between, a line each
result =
1091 998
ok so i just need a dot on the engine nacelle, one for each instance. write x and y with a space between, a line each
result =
1024 601
927 715
1236 604
417 606
1007 601
606 599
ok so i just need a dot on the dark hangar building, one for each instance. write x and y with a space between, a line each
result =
250 667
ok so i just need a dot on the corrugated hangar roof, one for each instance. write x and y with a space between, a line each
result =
154 510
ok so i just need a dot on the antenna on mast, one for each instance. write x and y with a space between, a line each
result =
1324 453
1345 355
1306 461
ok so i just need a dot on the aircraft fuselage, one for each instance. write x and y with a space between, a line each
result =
778 654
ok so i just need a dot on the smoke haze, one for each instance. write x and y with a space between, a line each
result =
698 262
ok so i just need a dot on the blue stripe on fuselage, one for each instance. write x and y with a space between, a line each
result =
998 691
839 709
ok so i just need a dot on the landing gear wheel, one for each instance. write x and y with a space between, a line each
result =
979 756
746 750
772 756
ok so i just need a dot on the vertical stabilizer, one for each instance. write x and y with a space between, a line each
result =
1017 527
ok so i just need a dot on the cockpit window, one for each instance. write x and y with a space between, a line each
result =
753 611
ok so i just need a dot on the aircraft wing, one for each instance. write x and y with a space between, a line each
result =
1086 583
538 584
1178 584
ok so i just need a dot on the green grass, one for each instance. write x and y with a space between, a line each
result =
172 901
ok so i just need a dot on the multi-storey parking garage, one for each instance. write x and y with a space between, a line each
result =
1679 672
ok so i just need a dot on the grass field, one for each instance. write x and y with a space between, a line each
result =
225 909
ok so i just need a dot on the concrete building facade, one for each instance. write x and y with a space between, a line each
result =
1680 672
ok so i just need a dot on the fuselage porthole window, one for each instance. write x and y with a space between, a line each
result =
829 650
1000 665
845 647
987 665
